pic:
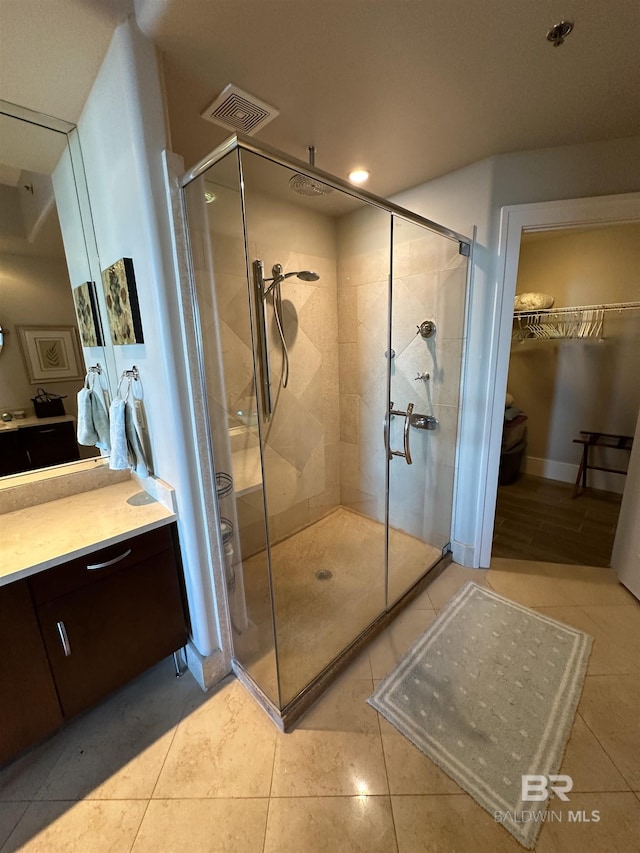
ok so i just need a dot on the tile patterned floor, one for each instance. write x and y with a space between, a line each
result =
162 767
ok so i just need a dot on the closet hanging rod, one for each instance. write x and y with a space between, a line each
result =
610 306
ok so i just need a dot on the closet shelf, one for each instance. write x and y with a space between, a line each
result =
578 321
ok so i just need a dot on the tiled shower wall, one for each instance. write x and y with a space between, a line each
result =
301 455
324 443
429 280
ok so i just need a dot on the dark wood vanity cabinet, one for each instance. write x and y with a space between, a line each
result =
107 617
38 446
29 708
94 623
50 444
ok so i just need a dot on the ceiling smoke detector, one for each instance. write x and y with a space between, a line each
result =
558 33
236 109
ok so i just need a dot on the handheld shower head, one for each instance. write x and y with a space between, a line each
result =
279 275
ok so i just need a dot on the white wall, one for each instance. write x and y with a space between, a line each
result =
475 195
33 292
122 134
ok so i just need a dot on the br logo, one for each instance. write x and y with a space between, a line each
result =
535 788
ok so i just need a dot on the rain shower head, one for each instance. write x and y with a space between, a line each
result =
304 185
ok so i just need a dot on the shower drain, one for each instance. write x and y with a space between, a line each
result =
324 575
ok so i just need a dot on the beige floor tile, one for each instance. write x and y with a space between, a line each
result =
609 706
223 747
116 751
387 649
617 830
444 824
588 764
410 771
331 824
450 581
203 826
537 584
615 631
360 668
108 826
10 814
23 778
336 749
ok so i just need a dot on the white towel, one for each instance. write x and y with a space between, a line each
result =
119 458
86 431
100 421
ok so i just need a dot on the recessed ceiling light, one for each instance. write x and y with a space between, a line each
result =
358 176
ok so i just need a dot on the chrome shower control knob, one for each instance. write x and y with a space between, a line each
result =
427 328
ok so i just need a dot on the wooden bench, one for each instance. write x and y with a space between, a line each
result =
598 439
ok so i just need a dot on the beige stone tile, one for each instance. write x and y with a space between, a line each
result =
537 584
360 668
10 814
331 824
118 748
223 747
387 649
615 631
588 764
451 580
609 706
618 827
444 823
409 770
336 748
202 826
107 826
23 778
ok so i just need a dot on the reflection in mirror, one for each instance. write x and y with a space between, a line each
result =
46 270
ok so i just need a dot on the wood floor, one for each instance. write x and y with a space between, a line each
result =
536 519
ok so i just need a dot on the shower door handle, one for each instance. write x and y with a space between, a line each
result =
406 454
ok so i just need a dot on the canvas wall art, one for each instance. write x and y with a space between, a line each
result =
89 327
123 311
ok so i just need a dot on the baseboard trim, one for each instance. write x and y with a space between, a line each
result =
565 472
207 670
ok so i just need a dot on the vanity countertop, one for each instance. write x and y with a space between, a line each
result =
40 537
31 421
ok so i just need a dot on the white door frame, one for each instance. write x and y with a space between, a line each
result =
543 216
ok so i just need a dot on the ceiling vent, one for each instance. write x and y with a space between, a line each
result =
238 110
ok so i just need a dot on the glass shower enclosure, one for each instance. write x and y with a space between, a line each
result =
332 336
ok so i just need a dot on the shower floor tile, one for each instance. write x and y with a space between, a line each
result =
328 586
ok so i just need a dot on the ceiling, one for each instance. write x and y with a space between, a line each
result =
409 89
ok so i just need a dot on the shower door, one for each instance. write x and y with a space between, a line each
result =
428 286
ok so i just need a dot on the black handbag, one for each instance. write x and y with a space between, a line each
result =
47 404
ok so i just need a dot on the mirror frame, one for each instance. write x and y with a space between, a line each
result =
93 266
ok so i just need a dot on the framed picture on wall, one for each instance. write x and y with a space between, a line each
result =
50 353
121 296
84 298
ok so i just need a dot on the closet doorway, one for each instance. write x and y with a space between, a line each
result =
573 369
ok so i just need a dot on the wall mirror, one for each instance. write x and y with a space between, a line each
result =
51 299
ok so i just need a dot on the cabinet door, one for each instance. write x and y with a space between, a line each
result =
100 636
50 444
29 708
13 457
